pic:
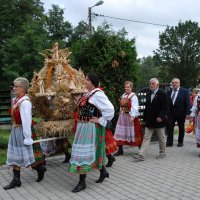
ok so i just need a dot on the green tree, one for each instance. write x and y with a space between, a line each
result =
13 14
21 55
22 40
148 68
81 31
179 53
58 29
111 55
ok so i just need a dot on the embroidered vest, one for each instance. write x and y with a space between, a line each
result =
125 104
15 113
87 110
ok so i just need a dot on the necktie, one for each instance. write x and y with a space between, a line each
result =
173 95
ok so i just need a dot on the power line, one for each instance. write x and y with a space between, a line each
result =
130 20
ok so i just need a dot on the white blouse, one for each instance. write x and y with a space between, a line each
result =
134 112
26 118
101 101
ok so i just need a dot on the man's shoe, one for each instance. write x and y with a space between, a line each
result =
169 145
161 155
179 144
138 157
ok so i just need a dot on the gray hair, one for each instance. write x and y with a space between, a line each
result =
154 79
176 79
24 83
129 82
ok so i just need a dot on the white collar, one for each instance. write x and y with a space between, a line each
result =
130 95
91 92
176 89
155 91
21 99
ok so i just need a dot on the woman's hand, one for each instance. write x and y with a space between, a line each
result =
132 119
95 120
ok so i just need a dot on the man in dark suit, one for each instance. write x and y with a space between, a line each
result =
179 109
156 108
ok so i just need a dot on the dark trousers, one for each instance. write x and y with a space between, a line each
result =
170 129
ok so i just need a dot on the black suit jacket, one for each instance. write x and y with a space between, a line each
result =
181 106
157 108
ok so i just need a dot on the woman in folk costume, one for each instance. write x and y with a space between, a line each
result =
192 98
88 149
128 129
195 116
111 145
20 150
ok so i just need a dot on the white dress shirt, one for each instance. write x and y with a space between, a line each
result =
153 93
176 94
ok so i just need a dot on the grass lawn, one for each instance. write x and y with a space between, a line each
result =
4 137
4 133
3 154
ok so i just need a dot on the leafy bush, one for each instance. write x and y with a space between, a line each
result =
112 56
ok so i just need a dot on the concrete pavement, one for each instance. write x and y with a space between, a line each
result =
176 177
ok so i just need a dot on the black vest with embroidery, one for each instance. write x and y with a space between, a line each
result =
88 110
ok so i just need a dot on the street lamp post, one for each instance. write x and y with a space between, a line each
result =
90 14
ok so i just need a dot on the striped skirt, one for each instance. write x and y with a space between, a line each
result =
128 132
88 149
197 129
19 154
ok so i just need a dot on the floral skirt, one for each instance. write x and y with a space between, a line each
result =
111 145
88 149
38 155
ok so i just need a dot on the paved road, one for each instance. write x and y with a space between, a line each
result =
175 177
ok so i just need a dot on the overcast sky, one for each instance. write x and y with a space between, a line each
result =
168 12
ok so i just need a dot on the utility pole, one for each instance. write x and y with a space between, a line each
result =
90 19
90 14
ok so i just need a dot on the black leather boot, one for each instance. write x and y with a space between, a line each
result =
67 157
15 182
111 159
81 184
103 174
40 170
119 152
